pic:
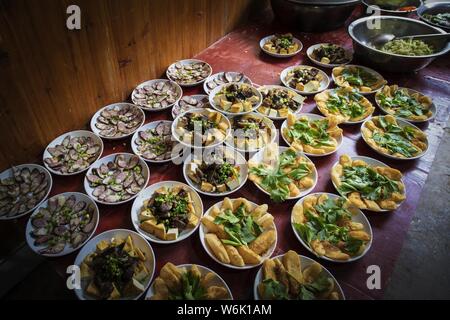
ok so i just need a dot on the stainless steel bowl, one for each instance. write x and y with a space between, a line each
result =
314 15
392 12
364 30
434 8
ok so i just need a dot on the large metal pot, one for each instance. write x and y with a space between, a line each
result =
364 30
314 15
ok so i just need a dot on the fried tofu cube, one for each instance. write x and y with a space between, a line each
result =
157 230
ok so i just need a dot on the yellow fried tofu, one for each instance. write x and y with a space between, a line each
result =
216 293
291 262
217 247
157 230
207 280
263 242
248 255
266 221
269 269
218 229
235 257
297 214
312 272
161 289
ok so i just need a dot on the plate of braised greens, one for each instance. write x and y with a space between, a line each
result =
278 101
291 276
283 173
406 104
281 45
394 138
305 79
235 98
312 134
331 227
238 234
329 55
362 79
188 282
368 184
346 104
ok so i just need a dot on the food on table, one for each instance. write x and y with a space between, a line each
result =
316 137
304 79
278 101
202 128
119 121
64 222
237 98
345 103
189 72
239 233
222 78
281 44
403 103
168 213
283 174
374 188
325 225
285 278
115 270
156 144
359 78
187 283
441 19
117 180
156 95
74 154
386 136
190 102
251 132
329 53
408 47
216 173
22 191
394 5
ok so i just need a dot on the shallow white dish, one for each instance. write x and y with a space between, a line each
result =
105 160
323 84
295 92
186 62
204 230
177 110
48 177
311 49
263 41
147 193
72 134
305 262
151 82
217 281
359 217
138 240
245 79
375 73
311 116
68 249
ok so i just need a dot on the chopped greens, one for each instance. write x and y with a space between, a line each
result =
403 104
441 19
313 133
359 77
408 47
190 288
345 103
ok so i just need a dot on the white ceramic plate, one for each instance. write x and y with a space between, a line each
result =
177 110
216 90
203 111
147 193
122 104
134 147
323 84
376 74
68 249
401 123
311 49
265 87
245 79
105 160
258 157
263 41
372 162
359 217
138 241
310 116
48 177
410 91
217 281
72 134
305 262
239 160
204 230
151 82
186 62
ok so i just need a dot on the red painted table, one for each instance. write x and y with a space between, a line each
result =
239 51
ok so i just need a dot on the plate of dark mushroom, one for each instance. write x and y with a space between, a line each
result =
186 103
153 142
22 189
156 95
117 178
235 98
221 78
73 152
189 72
117 121
62 224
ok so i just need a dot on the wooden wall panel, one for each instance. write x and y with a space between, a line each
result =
52 80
